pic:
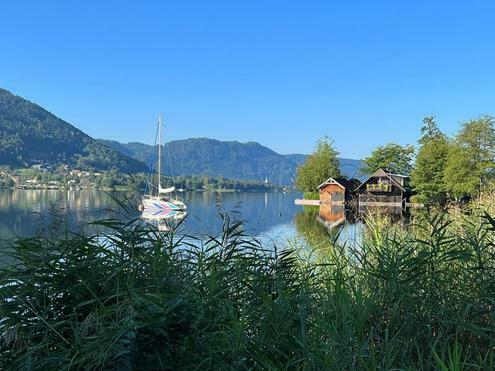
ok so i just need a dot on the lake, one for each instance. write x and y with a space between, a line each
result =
271 217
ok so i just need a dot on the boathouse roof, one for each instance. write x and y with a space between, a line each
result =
344 183
385 173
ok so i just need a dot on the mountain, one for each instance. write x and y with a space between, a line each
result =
352 168
30 134
234 160
296 158
349 167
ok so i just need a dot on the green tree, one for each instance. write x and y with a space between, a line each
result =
318 167
471 160
428 178
479 136
392 156
430 130
9 183
462 177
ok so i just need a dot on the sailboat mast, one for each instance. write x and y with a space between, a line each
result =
159 152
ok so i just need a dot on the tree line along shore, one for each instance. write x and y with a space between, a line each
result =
443 169
45 177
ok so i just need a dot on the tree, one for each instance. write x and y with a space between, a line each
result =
9 183
318 167
428 178
462 178
430 130
471 160
392 156
479 136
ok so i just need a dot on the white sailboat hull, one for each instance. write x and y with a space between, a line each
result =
165 205
160 209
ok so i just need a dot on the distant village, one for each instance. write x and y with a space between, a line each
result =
44 176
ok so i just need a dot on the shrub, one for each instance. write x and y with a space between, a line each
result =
311 196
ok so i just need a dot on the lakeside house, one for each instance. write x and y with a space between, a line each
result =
384 188
42 167
337 191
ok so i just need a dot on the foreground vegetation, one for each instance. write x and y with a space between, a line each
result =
420 297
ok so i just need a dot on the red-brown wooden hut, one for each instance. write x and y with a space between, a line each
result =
338 191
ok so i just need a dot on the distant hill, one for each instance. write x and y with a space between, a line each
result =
231 159
30 134
296 158
349 167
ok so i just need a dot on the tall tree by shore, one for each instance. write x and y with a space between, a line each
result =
462 177
392 156
319 166
428 177
471 162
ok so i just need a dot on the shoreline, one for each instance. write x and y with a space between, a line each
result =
130 190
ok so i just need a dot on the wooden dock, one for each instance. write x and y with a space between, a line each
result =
380 204
307 202
414 205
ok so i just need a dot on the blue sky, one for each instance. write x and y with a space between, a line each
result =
277 72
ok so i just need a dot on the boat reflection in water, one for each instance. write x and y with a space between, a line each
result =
165 221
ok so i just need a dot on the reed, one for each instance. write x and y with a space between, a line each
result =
414 297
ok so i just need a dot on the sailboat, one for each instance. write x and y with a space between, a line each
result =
159 203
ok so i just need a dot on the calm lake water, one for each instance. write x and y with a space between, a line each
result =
267 216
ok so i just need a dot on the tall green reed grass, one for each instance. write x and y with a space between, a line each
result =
415 297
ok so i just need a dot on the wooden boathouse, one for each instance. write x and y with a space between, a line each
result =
337 191
383 188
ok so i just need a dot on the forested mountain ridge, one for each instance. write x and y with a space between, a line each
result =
230 159
29 134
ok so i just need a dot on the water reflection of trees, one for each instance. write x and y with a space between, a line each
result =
321 226
311 229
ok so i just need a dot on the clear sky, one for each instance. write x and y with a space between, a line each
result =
282 73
